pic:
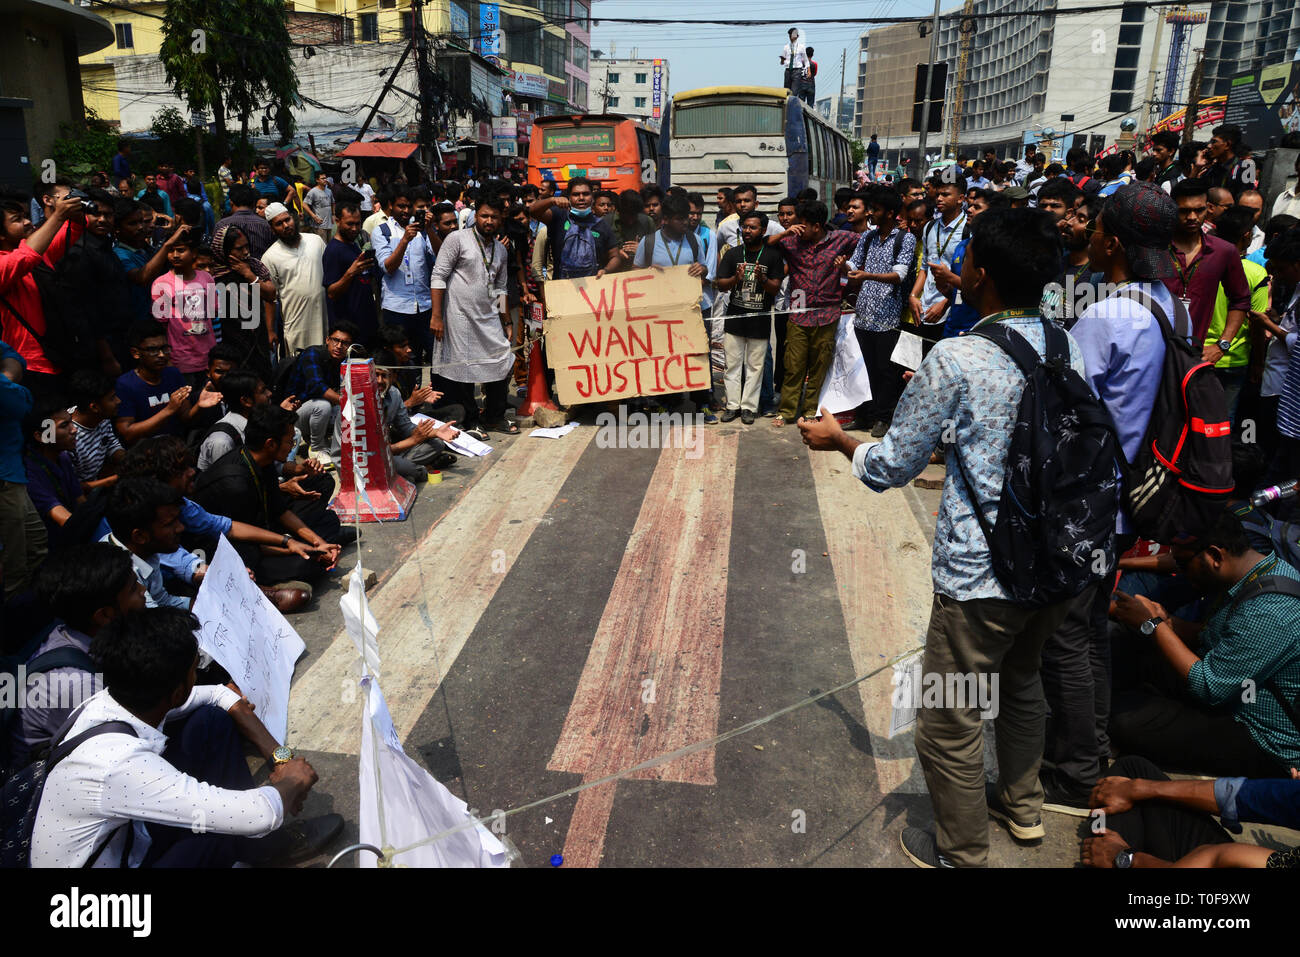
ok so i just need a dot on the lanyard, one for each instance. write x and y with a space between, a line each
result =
261 492
1260 570
956 224
1187 276
1006 314
1082 271
489 255
669 252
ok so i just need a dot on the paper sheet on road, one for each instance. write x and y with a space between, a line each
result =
559 432
246 635
464 444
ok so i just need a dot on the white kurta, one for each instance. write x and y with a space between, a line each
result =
474 347
299 276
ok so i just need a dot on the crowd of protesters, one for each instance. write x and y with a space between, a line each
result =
197 394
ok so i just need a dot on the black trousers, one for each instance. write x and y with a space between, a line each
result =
1166 831
206 745
1152 715
462 394
886 378
1076 683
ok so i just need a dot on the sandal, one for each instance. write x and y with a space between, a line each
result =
477 434
505 427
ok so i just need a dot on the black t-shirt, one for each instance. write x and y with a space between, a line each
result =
749 305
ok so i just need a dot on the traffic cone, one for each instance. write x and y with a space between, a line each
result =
539 397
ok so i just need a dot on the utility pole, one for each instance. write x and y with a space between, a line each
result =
1193 99
922 167
844 53
388 85
423 84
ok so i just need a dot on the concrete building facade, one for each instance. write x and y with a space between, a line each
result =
634 87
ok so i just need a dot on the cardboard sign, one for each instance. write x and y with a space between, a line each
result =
625 335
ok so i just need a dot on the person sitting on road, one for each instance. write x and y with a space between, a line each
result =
1150 821
316 381
169 786
1215 696
416 448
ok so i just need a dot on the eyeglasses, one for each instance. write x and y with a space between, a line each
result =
154 350
339 342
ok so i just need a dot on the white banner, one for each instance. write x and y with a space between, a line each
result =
246 635
847 385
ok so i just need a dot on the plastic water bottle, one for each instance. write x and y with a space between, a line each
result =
1276 493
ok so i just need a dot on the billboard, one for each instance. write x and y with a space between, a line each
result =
656 100
1265 103
529 84
489 31
459 22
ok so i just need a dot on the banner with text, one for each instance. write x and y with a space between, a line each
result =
626 335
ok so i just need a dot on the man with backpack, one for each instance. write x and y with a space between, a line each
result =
85 588
581 243
675 244
882 263
1123 346
993 608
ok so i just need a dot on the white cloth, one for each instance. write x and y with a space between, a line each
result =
367 196
747 355
1256 240
115 778
1278 358
796 54
473 347
1288 202
299 275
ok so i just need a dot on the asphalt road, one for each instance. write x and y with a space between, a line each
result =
558 611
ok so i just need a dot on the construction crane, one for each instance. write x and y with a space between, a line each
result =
1182 20
967 30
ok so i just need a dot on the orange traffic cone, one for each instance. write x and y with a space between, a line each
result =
539 397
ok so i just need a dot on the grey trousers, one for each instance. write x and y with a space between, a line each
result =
984 637
22 535
317 418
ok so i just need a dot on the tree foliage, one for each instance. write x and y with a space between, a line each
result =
82 149
859 152
231 59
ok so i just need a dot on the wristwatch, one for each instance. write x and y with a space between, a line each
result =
285 543
281 755
1224 345
1124 859
1149 626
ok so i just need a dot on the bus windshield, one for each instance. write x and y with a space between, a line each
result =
574 139
728 119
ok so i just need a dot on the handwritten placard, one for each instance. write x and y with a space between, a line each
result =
626 335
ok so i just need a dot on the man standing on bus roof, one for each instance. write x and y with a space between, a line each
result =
581 243
795 60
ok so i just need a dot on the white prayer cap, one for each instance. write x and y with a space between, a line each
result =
274 210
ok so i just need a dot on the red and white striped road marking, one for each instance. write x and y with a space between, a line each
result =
452 576
654 673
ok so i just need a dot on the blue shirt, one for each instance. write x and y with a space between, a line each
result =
139 296
15 403
972 386
677 252
1263 801
141 400
199 521
406 289
120 166
938 244
961 317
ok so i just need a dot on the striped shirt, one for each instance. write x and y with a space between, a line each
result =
95 444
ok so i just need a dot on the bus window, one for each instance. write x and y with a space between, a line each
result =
728 119
610 151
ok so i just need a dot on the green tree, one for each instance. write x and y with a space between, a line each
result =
231 58
859 152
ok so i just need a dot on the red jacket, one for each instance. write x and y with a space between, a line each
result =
18 287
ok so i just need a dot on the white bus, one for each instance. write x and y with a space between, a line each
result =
727 135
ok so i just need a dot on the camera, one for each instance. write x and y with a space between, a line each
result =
419 216
87 203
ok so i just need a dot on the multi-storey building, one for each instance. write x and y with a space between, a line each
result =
634 87
1077 75
1245 35
838 110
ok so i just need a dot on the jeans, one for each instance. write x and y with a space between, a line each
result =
23 539
886 378
1076 682
316 420
1233 380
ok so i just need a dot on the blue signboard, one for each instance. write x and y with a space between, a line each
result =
489 29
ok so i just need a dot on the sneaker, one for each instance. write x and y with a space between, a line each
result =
709 417
747 418
921 847
879 429
729 416
1063 795
998 811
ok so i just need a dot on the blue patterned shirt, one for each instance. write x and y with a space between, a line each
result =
966 393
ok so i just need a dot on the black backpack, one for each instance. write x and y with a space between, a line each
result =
58 658
21 797
1060 490
68 342
1181 478
653 238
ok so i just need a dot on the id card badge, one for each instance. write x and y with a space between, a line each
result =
1187 302
406 271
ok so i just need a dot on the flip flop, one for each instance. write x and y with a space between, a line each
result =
505 427
477 434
